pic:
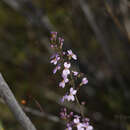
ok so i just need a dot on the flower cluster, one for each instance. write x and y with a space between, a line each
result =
70 96
62 62
75 121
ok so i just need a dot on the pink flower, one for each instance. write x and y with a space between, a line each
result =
75 73
70 97
87 126
84 81
76 120
63 98
56 68
52 46
55 60
54 35
66 70
79 125
63 82
61 40
72 93
69 128
72 55
82 125
63 52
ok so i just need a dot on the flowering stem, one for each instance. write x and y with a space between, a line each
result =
62 59
82 113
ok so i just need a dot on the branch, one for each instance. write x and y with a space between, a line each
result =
115 19
34 17
13 105
104 42
124 8
31 13
42 114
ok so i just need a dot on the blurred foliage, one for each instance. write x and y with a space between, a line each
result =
24 62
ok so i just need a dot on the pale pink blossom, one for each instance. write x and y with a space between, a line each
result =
66 70
54 35
84 81
61 40
70 96
79 125
76 120
75 73
72 55
63 98
64 53
56 69
55 59
69 125
69 128
52 46
63 82
67 65
73 92
87 126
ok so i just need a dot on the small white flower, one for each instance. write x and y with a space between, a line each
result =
72 55
79 125
66 70
63 98
89 127
70 97
67 65
55 60
61 40
69 128
63 52
76 120
84 81
73 91
77 116
56 68
75 73
63 82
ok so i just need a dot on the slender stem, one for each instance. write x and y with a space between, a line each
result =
73 84
81 110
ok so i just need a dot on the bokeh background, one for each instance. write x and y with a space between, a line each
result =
97 31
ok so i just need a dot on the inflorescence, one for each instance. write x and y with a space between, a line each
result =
62 62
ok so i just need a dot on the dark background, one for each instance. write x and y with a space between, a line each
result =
97 31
